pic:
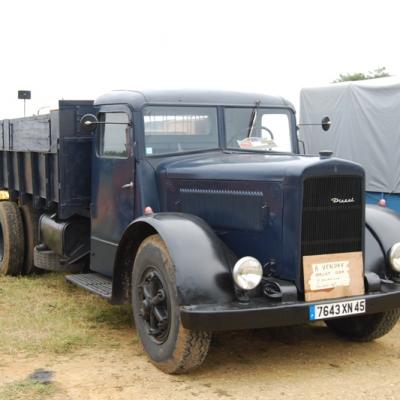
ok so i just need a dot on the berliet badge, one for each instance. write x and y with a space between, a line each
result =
335 200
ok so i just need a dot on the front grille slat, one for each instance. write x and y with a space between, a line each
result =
329 227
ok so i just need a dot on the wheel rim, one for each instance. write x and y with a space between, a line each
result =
1 244
154 305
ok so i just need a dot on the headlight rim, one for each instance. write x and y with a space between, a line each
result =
236 273
395 248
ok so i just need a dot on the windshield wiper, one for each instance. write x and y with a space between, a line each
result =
253 118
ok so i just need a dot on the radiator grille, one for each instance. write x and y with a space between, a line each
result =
332 215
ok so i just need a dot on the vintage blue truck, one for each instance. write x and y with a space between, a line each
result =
197 208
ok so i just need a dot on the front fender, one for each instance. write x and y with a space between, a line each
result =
382 232
203 262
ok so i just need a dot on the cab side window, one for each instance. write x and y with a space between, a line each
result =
114 135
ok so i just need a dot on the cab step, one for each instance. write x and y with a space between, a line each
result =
92 282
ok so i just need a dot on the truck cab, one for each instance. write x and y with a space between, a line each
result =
147 142
204 216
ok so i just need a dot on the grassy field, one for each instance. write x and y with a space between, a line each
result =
44 314
58 342
28 389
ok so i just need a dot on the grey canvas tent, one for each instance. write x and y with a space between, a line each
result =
365 127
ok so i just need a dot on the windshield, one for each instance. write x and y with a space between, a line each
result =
170 129
258 129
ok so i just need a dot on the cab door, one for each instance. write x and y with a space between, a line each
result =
113 173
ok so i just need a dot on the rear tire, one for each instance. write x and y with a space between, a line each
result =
365 328
170 347
12 243
30 218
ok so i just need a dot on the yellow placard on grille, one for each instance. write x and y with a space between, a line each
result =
328 276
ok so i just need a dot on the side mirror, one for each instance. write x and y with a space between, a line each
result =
326 123
88 123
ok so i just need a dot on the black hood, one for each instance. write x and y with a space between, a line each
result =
269 206
252 167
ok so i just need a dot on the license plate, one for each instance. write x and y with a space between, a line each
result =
339 309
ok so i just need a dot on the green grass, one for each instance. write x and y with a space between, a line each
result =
28 389
44 314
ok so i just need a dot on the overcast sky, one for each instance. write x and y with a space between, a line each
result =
81 49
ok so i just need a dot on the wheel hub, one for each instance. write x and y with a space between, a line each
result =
154 306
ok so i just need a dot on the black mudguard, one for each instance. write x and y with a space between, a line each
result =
203 262
381 233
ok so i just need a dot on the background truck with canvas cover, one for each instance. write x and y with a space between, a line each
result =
197 208
365 118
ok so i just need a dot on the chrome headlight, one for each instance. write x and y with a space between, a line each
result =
394 257
247 273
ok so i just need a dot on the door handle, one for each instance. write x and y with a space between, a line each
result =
128 186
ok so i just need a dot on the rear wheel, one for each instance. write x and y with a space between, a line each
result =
30 218
170 346
365 328
11 239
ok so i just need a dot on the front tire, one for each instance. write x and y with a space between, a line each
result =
170 347
365 328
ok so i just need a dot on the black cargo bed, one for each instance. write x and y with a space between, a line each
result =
47 158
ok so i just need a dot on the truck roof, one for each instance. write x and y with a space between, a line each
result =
138 98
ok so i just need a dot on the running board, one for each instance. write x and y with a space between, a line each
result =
92 282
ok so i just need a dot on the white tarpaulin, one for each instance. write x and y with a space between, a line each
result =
365 128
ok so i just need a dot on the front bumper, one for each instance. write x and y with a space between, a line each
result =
263 312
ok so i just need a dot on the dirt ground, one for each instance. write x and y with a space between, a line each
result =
306 362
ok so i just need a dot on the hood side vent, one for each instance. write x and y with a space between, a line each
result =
226 209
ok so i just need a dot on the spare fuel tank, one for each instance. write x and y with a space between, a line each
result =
70 238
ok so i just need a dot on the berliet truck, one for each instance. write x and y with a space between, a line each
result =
198 209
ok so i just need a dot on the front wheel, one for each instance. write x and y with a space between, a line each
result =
365 328
170 346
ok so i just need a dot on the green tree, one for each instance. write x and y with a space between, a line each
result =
360 76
